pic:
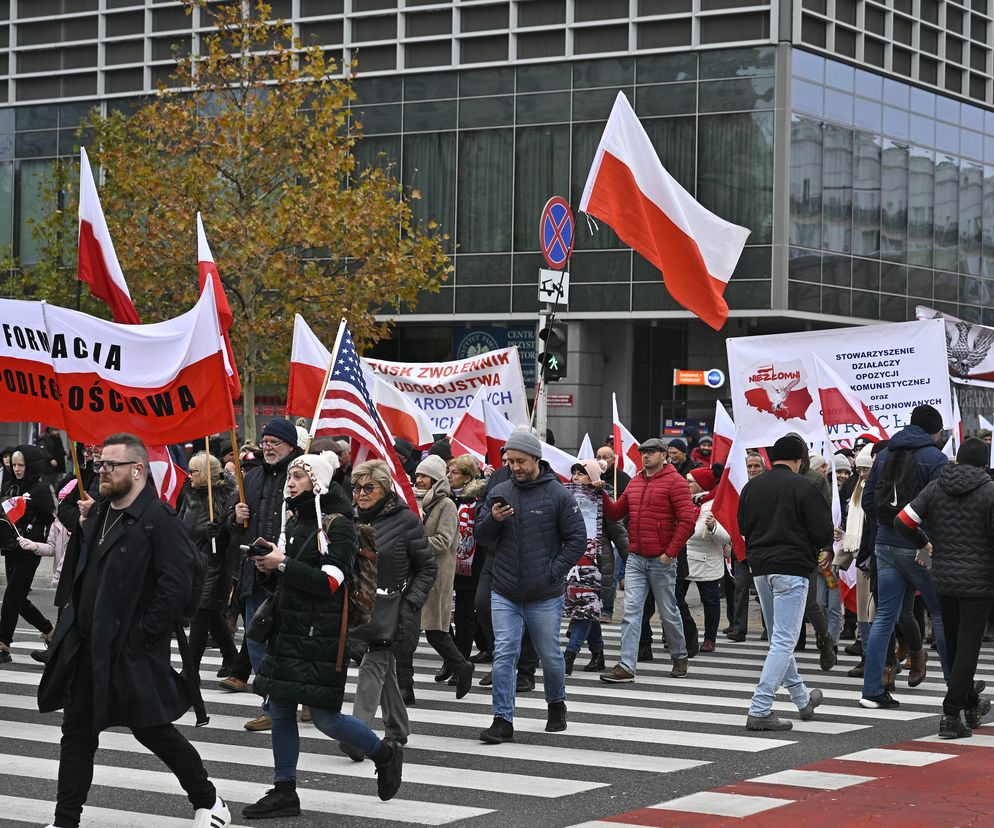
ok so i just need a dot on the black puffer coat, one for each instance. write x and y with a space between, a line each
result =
403 557
40 512
194 512
959 509
264 496
299 665
534 548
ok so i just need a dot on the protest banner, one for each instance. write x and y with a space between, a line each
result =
968 348
166 382
583 581
444 390
892 368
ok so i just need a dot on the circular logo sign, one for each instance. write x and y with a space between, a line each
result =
556 231
478 342
715 378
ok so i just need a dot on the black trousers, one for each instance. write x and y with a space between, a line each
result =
79 744
464 621
964 620
740 611
728 590
211 621
20 567
528 660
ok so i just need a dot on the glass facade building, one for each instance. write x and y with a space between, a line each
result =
854 138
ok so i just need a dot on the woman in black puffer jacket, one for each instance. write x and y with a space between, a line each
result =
211 539
28 465
405 562
306 661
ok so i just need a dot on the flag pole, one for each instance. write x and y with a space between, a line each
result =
83 494
324 383
210 487
238 470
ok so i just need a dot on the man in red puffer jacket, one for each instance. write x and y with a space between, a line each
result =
661 519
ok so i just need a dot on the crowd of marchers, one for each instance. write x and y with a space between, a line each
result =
269 573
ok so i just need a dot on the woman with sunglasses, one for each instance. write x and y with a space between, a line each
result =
405 564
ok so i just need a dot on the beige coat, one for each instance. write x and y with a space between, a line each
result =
442 529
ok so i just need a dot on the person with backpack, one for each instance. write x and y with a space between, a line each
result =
110 663
959 508
306 660
911 460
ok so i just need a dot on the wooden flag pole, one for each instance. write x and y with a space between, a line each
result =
238 470
324 385
207 474
83 494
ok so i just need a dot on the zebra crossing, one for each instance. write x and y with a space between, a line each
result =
626 746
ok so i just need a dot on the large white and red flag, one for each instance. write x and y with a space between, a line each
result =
724 434
15 507
726 499
97 263
626 447
207 269
165 382
629 189
841 406
481 431
168 477
309 360
347 409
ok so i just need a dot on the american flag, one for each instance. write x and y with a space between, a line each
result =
347 410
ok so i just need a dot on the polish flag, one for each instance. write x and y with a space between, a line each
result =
628 188
208 270
586 451
309 360
97 263
481 431
15 507
559 461
168 477
626 447
840 405
726 497
724 434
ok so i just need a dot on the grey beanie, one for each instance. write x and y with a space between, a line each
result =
526 442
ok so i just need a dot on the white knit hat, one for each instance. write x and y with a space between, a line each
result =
816 461
864 460
432 466
320 468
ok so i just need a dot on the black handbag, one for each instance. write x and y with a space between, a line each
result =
263 621
383 621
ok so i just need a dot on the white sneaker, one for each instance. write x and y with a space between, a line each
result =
217 817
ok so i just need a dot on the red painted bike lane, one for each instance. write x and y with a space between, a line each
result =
925 783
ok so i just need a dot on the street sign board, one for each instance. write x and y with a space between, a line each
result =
557 232
712 378
559 400
553 286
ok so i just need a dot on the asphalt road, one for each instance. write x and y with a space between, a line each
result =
626 747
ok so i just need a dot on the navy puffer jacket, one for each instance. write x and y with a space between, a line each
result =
534 548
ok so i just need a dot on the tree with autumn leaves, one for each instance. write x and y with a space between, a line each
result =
257 134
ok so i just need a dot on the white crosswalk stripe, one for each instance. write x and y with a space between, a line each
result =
659 725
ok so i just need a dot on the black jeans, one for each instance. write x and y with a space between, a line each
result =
79 744
212 621
740 612
464 620
20 566
964 620
528 660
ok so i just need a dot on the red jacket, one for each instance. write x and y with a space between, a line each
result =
660 512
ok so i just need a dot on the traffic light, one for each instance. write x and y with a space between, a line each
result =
554 355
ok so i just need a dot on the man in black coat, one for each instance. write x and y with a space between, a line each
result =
262 510
959 508
112 645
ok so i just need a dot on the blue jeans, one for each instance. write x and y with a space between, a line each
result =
541 618
589 630
831 603
641 575
255 649
619 573
286 739
782 598
897 570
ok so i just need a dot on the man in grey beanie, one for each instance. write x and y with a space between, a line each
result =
537 534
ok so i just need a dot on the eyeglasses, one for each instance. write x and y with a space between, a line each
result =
110 465
366 488
272 443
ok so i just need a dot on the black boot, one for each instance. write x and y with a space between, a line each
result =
596 664
407 695
569 657
557 717
500 731
280 801
389 769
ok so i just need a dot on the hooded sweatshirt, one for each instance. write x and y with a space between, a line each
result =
929 459
959 508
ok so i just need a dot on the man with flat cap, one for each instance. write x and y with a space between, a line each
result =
661 517
786 524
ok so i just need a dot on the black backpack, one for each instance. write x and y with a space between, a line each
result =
897 484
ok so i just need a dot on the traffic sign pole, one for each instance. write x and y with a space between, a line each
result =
541 410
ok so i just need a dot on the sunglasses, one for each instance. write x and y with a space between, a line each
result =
367 488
